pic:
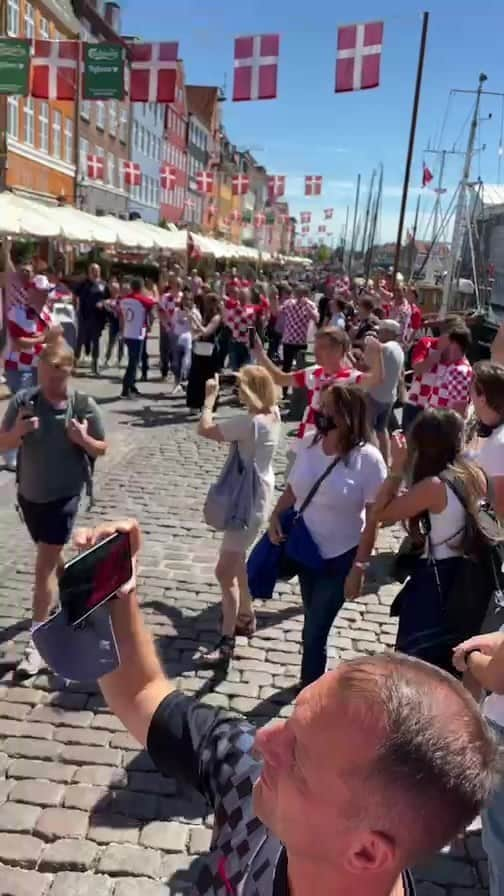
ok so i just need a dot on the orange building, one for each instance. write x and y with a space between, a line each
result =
39 149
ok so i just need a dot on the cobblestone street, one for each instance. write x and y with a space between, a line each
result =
82 810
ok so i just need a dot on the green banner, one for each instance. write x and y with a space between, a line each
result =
14 66
247 216
103 76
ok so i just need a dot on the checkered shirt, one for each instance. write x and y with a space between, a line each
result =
453 385
297 317
315 379
421 388
168 303
402 315
239 318
24 322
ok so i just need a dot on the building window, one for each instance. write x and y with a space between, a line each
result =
142 138
147 143
29 20
111 169
83 154
29 126
85 111
112 118
13 116
136 136
100 115
100 152
68 140
123 126
56 132
121 176
13 17
44 28
44 126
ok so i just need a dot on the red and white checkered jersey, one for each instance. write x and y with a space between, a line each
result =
453 384
315 379
16 293
239 318
297 317
168 303
23 322
423 383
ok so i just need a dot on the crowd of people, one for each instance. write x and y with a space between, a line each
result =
397 427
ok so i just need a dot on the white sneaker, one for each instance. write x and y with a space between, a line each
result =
31 664
177 390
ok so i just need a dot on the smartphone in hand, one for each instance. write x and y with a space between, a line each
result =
92 578
252 337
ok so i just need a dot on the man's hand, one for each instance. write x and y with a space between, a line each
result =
77 432
84 539
25 424
488 645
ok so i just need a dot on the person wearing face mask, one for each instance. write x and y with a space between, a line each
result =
337 516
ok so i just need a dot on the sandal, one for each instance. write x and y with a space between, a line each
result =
220 656
246 625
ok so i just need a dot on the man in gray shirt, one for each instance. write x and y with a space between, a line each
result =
383 397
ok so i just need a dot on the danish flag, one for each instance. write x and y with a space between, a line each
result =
358 57
205 181
240 184
256 67
94 167
328 213
168 177
189 203
153 72
276 186
305 217
260 219
132 174
313 185
54 69
236 215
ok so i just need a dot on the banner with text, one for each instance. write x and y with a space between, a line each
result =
103 74
14 66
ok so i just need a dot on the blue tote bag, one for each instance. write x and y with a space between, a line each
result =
269 563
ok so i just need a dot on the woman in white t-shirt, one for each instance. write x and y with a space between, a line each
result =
185 319
257 433
487 395
336 517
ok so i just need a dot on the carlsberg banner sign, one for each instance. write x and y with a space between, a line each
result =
14 66
103 77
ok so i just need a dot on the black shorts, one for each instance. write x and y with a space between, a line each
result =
51 522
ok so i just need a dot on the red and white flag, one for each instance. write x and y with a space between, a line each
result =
256 67
328 213
168 176
205 181
313 185
240 184
54 69
189 203
260 219
153 72
94 167
427 176
236 215
321 228
305 217
358 56
132 173
276 186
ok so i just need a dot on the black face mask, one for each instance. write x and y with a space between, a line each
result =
485 430
323 423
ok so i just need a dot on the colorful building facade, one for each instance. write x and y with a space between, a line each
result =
173 201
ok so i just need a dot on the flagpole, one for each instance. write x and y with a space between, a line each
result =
354 228
411 144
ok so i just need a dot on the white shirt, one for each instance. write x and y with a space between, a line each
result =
491 453
134 310
336 515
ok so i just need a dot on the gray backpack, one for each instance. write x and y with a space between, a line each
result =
230 501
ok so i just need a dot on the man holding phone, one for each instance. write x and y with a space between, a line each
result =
57 433
300 808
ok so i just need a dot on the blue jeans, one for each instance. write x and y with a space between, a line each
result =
134 347
323 596
239 355
492 818
183 357
17 380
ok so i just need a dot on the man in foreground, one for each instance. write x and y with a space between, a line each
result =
383 761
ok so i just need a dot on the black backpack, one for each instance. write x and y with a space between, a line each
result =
480 578
79 408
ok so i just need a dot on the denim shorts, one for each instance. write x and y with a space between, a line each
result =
51 522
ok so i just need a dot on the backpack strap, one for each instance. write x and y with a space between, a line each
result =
26 395
315 487
80 408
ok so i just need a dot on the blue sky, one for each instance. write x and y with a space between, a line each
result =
311 130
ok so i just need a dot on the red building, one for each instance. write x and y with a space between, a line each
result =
175 153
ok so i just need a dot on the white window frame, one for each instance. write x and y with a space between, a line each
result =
123 125
83 154
100 115
69 140
29 121
57 120
44 121
111 166
112 118
85 109
29 19
147 142
13 117
13 18
44 28
100 152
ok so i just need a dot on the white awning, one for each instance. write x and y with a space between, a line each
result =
22 217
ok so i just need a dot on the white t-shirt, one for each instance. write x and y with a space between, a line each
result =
491 454
134 310
261 447
336 515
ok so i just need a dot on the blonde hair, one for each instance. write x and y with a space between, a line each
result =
257 388
57 352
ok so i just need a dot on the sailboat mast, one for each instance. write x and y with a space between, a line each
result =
368 213
461 204
439 191
354 228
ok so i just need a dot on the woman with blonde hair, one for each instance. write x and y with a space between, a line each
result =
257 433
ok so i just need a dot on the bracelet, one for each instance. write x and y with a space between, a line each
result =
468 653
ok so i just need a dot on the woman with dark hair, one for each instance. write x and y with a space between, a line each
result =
487 394
435 520
337 517
205 354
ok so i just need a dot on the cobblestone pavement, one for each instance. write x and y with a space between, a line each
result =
82 810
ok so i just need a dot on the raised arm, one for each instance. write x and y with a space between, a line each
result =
278 376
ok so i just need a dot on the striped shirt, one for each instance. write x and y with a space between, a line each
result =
24 322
